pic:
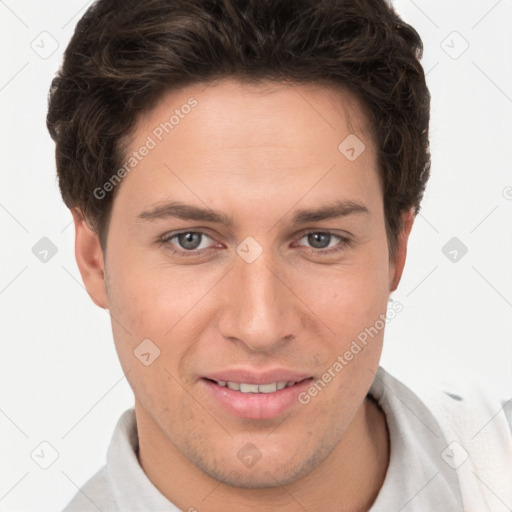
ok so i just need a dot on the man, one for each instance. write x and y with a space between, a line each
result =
244 177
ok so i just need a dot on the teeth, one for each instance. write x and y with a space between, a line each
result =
267 388
255 388
248 388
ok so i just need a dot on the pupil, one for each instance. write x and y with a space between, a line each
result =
315 240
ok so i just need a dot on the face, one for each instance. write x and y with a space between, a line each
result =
215 255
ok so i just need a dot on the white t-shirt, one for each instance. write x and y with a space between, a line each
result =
450 451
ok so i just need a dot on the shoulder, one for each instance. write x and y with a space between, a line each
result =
473 426
94 495
468 409
465 408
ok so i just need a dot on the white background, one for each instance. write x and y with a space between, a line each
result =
60 378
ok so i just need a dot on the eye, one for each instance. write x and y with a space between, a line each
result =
319 240
325 242
186 242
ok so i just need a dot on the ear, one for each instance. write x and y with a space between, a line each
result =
397 266
89 257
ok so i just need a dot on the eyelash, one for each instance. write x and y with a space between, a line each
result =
343 243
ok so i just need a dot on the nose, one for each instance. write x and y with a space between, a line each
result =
259 308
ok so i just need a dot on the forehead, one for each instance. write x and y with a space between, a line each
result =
252 141
231 111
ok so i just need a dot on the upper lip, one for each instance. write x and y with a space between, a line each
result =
249 376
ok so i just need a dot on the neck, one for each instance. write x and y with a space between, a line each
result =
351 476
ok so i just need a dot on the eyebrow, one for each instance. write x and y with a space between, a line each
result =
177 209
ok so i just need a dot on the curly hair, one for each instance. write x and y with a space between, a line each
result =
126 54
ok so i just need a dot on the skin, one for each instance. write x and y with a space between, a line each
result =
258 154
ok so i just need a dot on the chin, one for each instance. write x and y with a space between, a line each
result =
264 474
257 479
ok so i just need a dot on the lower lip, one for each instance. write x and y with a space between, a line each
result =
257 406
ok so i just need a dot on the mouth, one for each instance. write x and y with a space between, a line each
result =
249 400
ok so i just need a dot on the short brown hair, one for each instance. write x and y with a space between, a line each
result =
125 54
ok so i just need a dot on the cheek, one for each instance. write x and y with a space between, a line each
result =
147 296
158 303
145 307
348 297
